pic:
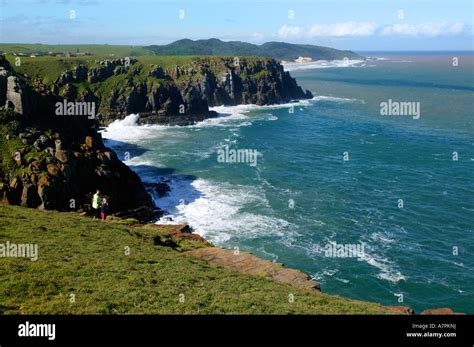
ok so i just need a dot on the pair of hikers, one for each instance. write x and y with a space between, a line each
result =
100 205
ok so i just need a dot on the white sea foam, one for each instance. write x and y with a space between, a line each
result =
336 99
377 58
387 269
225 119
319 276
127 130
215 210
392 60
385 238
341 279
242 109
323 64
239 111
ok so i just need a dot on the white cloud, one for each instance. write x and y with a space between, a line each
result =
342 29
337 29
290 31
370 28
424 29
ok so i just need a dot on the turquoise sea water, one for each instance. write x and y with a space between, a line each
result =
302 196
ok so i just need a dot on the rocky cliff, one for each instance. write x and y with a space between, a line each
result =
162 90
53 156
57 162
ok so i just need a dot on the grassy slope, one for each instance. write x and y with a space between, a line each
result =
85 257
94 49
49 68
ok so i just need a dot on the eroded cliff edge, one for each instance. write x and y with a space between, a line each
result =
174 90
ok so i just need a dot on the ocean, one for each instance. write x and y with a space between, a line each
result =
335 174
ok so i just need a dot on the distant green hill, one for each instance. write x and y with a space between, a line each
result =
275 50
288 51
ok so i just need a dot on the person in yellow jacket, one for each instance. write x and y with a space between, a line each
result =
96 204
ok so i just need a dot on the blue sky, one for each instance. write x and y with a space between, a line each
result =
346 24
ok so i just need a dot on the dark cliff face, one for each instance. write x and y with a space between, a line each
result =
57 169
260 82
57 162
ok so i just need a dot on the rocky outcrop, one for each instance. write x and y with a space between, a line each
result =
434 311
57 162
244 81
440 311
15 95
402 309
178 231
3 85
13 90
247 263
179 94
63 176
160 188
144 214
109 68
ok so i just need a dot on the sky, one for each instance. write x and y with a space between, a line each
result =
360 25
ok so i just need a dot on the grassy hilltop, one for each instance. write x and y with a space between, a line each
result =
49 68
209 47
85 257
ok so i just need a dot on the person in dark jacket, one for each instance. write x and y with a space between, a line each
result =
104 208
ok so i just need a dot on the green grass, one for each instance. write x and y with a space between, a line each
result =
105 50
167 61
9 148
49 68
86 257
